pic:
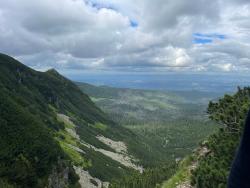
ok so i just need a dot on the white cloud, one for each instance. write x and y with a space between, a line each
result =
98 35
224 67
172 57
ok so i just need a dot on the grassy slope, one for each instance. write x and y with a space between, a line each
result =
182 174
31 136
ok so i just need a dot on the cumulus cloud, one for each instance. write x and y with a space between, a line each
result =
128 35
224 67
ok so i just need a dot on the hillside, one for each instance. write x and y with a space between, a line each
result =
211 169
171 123
230 112
52 134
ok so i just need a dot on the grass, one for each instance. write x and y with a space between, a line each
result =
100 126
66 137
76 157
183 173
65 140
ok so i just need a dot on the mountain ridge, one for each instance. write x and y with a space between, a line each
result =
31 102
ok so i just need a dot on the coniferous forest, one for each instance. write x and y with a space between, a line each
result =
230 112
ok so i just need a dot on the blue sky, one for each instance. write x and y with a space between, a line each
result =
200 38
134 23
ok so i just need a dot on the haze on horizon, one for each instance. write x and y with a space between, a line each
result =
100 37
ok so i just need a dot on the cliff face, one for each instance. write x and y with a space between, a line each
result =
60 175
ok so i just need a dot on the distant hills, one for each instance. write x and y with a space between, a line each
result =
218 82
148 105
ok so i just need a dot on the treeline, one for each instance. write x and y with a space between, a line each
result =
150 178
230 112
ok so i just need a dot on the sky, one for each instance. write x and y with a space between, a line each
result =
124 36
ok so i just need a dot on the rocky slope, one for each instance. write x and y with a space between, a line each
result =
50 131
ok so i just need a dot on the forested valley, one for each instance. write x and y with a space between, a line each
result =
56 133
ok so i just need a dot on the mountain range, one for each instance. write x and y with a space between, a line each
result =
53 135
